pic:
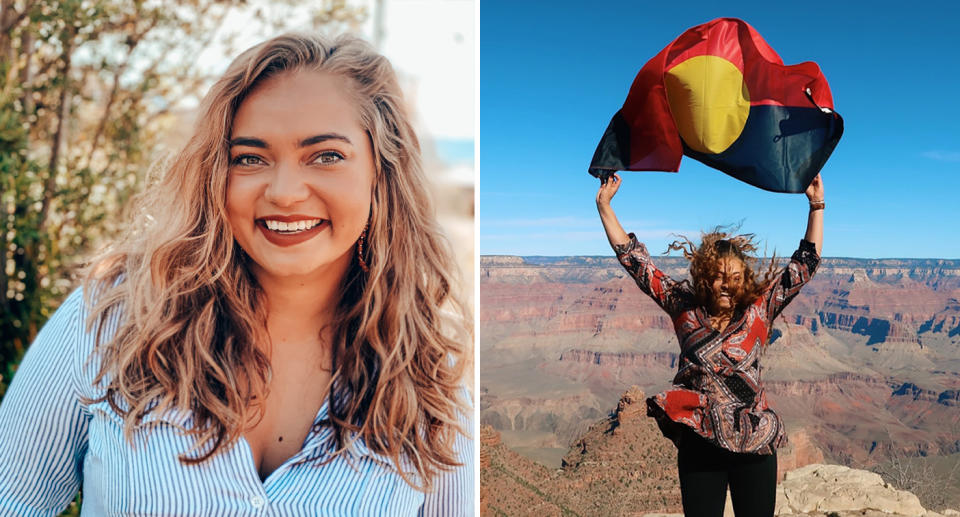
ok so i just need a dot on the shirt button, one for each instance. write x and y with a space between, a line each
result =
256 501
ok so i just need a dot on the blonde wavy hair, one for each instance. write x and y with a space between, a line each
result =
192 311
718 244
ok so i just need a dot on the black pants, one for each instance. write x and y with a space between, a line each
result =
706 470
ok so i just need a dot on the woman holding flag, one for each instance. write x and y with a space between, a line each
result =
717 413
721 95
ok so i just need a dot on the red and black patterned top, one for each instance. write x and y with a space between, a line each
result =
717 392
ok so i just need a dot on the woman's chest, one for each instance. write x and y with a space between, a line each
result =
148 478
740 340
277 432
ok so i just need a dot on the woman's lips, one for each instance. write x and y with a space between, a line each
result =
289 239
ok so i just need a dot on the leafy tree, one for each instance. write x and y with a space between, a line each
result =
89 93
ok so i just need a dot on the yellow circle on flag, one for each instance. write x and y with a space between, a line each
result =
709 102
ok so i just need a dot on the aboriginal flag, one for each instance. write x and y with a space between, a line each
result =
721 95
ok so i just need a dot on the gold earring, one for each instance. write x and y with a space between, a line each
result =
360 241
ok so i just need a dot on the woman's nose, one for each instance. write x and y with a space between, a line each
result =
287 186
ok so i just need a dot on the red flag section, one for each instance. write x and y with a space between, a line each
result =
721 95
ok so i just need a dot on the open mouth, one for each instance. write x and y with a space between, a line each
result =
289 228
289 233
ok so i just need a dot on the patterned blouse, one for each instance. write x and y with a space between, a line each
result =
717 392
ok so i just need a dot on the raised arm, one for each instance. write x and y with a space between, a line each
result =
815 218
804 261
634 257
615 233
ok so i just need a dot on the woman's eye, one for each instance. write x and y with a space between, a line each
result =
247 160
328 158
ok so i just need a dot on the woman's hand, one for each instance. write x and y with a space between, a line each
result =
608 189
815 190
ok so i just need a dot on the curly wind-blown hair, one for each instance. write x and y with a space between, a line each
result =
705 260
192 311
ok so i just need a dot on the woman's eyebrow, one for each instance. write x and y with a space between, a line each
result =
247 141
316 139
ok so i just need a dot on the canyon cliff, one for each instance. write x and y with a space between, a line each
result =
621 466
862 365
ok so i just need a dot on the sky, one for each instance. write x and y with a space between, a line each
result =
420 34
552 75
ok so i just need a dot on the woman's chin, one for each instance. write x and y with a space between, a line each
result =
302 270
722 305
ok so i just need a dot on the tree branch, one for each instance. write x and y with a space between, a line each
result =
57 141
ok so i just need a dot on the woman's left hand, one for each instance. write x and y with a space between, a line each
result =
815 190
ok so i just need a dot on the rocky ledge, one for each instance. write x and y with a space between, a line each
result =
832 489
818 490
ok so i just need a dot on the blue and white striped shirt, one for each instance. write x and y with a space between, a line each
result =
52 444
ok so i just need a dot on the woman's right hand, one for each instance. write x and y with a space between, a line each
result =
615 233
608 189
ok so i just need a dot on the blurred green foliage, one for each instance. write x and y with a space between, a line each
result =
92 92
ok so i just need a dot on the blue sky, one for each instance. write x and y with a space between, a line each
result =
553 73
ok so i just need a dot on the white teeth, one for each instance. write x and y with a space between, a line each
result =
297 226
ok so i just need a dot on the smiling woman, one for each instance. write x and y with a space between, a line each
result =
301 171
280 334
716 413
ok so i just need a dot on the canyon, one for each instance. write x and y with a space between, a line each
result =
621 467
863 366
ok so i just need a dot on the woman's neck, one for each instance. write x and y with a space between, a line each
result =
719 319
299 308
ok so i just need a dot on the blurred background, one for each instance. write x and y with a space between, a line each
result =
95 94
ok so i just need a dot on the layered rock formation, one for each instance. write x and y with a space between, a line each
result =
861 365
651 359
623 466
620 466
